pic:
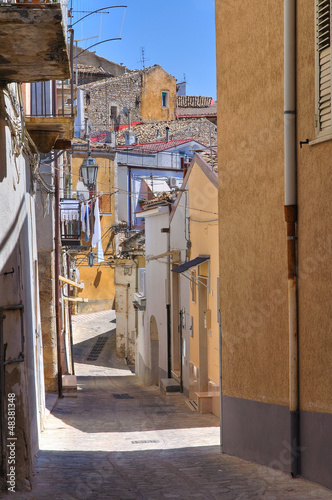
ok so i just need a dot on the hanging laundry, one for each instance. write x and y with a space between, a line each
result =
87 222
83 217
96 238
100 252
96 230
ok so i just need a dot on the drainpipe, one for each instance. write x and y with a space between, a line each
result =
291 220
57 274
3 469
220 375
127 321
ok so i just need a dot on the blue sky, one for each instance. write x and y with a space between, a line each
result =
177 34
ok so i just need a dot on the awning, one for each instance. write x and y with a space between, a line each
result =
191 263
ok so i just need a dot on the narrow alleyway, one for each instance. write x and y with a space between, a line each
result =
120 440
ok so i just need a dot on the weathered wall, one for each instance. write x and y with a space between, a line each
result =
125 280
138 91
203 213
315 269
253 262
155 315
180 299
252 232
154 81
123 91
314 233
18 257
48 323
99 279
253 241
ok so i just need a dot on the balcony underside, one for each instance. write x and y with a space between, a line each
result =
33 43
50 132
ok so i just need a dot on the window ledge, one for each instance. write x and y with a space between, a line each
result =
325 138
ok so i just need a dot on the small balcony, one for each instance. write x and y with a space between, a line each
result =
33 41
50 114
70 222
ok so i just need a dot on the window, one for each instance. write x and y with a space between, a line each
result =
323 68
114 112
164 99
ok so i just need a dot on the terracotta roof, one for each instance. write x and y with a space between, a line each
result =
127 74
91 70
187 112
194 101
154 147
200 129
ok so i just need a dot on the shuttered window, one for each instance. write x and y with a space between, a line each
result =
105 204
323 67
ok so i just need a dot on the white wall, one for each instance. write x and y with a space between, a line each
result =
178 239
125 287
18 253
156 243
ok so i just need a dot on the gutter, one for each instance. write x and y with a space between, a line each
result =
291 220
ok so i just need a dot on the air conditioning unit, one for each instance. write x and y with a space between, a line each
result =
172 182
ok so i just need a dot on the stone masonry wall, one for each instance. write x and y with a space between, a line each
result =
48 322
124 91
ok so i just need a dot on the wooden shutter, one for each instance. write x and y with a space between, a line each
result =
105 205
323 44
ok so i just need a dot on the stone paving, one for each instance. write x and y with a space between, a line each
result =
123 441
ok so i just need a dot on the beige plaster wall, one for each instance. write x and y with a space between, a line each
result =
253 260
314 231
154 83
203 207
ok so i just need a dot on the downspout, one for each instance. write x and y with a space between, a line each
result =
291 220
168 307
3 469
127 322
220 375
57 274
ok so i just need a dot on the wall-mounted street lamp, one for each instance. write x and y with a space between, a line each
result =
91 258
89 170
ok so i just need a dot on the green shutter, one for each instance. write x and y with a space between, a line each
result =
323 46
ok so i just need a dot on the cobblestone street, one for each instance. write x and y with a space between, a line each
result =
120 440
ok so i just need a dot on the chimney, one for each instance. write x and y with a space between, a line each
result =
167 134
129 117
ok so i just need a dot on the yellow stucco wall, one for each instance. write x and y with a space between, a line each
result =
314 231
203 206
253 259
99 279
154 82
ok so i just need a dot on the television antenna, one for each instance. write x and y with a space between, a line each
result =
143 58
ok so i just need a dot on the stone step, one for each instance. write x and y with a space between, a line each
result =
169 386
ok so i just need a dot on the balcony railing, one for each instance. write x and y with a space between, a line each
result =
70 222
51 99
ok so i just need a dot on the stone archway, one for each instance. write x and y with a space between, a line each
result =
154 350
